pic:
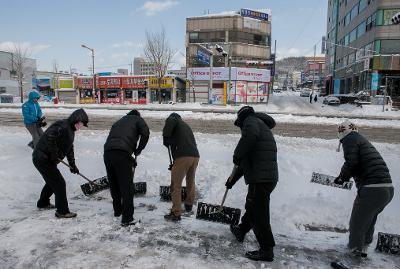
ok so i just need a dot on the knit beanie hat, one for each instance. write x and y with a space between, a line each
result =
344 129
242 114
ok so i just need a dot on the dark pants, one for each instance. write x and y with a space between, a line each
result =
35 131
55 183
370 201
256 216
119 173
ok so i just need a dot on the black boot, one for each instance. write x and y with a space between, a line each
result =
172 217
261 255
66 215
188 208
237 232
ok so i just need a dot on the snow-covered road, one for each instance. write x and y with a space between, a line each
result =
36 239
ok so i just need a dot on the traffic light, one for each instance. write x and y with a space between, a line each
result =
396 18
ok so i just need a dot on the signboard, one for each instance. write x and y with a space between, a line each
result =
84 83
252 92
222 73
374 82
203 57
254 14
133 82
262 92
108 82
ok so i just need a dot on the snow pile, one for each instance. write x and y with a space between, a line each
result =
32 238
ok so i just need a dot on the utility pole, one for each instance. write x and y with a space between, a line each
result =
272 75
313 77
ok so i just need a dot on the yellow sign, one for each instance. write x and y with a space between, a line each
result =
87 101
166 83
225 92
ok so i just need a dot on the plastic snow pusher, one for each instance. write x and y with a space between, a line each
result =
165 191
219 213
99 184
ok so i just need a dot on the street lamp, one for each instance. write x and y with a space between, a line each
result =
94 78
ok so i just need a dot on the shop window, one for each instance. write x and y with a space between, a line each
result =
112 93
128 94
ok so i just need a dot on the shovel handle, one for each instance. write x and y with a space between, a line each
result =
90 181
223 199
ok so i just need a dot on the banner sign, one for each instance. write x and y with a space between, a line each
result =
133 82
203 57
108 82
237 73
254 14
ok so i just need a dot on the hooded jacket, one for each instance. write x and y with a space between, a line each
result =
31 111
124 134
58 139
256 152
363 162
179 135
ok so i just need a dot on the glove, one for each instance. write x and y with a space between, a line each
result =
236 160
167 141
41 122
137 152
74 169
338 180
229 183
134 163
170 166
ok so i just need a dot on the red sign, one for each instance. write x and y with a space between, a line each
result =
84 83
132 82
108 82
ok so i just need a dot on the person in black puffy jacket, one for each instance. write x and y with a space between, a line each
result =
121 143
55 144
371 175
255 158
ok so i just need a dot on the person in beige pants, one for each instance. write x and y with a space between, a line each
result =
179 139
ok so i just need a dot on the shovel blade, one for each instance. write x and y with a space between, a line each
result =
165 193
97 185
210 212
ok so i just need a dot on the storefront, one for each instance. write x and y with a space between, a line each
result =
84 86
134 89
248 85
110 89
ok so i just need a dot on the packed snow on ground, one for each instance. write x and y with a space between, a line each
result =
36 239
280 118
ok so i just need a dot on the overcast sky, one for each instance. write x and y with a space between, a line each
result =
54 30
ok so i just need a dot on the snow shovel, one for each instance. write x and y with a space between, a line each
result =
328 180
165 191
388 243
219 213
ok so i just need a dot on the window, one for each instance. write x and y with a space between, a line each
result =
354 12
363 4
352 58
361 29
347 19
353 35
388 14
390 46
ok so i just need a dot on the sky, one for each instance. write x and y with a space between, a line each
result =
54 30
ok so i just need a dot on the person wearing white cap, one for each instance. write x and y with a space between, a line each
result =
374 184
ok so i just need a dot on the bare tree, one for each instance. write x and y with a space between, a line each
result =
159 54
55 71
191 78
19 63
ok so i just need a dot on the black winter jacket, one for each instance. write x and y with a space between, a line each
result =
124 134
256 152
179 135
58 139
363 162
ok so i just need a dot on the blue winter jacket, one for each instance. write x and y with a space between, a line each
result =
31 110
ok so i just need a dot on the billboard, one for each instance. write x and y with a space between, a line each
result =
254 14
222 73
108 82
203 57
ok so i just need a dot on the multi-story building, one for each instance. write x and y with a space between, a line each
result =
141 67
245 35
8 75
315 70
363 47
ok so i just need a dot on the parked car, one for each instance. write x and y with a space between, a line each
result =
331 100
305 92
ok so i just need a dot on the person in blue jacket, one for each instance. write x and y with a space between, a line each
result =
33 117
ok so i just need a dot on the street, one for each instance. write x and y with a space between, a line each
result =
376 134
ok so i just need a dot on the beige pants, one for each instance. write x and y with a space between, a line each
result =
183 166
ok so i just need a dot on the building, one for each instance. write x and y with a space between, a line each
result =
314 72
245 35
8 75
178 72
363 47
142 68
